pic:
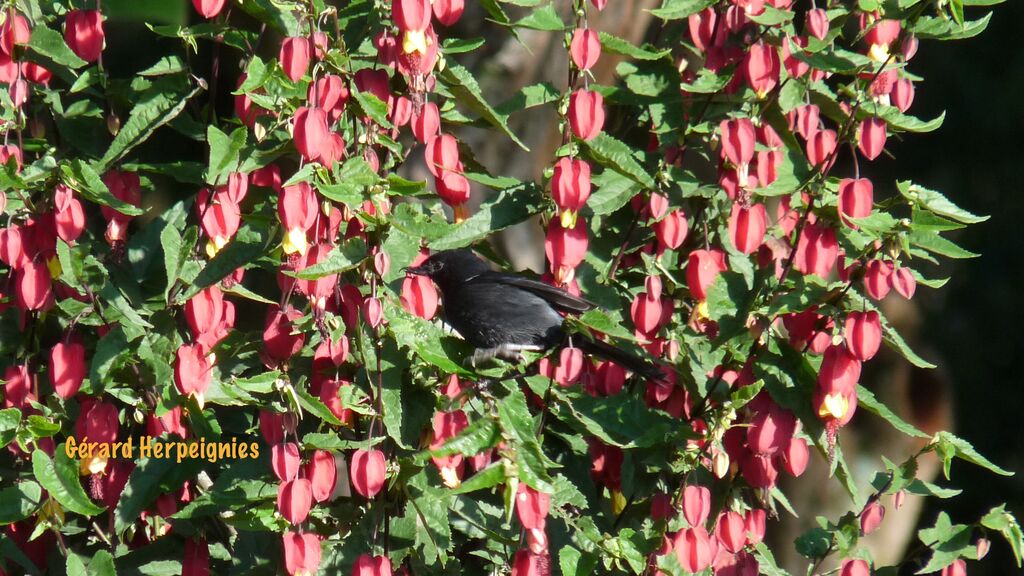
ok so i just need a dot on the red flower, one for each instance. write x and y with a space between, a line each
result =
310 132
585 48
528 563
125 187
294 499
565 249
297 207
872 137
294 57
737 142
532 507
18 387
279 342
285 460
83 32
871 518
366 565
33 286
747 226
904 282
856 198
69 215
817 23
209 9
67 368
731 531
197 556
902 94
795 457
367 472
696 504
694 549
863 334
877 278
671 230
817 251
820 147
192 371
447 425
761 67
702 28
419 295
586 114
301 553
703 267
322 475
854 568
426 124
448 12
570 188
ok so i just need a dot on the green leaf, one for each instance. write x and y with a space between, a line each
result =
374 108
936 203
614 190
602 322
614 154
965 451
50 43
837 61
279 15
680 9
60 478
512 206
480 435
247 245
614 45
460 82
154 108
866 399
947 541
315 406
627 422
1000 520
102 564
941 28
176 251
10 418
544 18
461 45
224 152
519 430
42 427
426 339
19 501
341 259
86 181
932 242
167 64
150 478
489 477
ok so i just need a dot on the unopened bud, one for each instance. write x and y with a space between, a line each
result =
113 124
720 464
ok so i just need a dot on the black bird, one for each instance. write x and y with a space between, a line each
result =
503 314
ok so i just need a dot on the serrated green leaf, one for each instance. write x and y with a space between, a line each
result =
224 152
965 451
510 207
59 477
518 429
545 18
463 86
86 181
19 501
614 45
50 43
680 9
615 154
341 259
153 109
10 418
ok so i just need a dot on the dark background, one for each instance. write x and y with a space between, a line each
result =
974 323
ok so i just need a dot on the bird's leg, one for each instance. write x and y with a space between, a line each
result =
508 352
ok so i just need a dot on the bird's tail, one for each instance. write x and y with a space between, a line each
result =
627 360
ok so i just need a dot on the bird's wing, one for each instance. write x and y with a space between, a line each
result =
558 298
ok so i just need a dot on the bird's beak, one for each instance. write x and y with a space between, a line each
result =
415 271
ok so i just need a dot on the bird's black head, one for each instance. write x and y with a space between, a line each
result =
450 267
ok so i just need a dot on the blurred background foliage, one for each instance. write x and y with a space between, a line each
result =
972 327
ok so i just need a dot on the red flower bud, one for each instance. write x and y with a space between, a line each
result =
863 334
197 556
310 132
330 94
528 563
204 311
329 395
565 249
817 23
366 565
902 94
871 518
322 474
671 230
856 198
14 30
367 472
83 32
532 507
375 82
427 123
192 371
294 499
297 207
872 137
759 470
294 57
957 568
285 460
419 295
877 278
18 387
694 549
373 311
278 341
696 504
854 568
125 187
737 141
453 188
33 286
209 9
447 425
411 15
267 177
761 67
817 251
754 522
820 147
319 290
747 226
570 188
448 12
795 457
67 368
273 426
904 282
586 114
301 553
585 48
731 531
770 430
442 154
702 28
702 269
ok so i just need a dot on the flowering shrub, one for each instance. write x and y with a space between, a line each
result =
244 379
